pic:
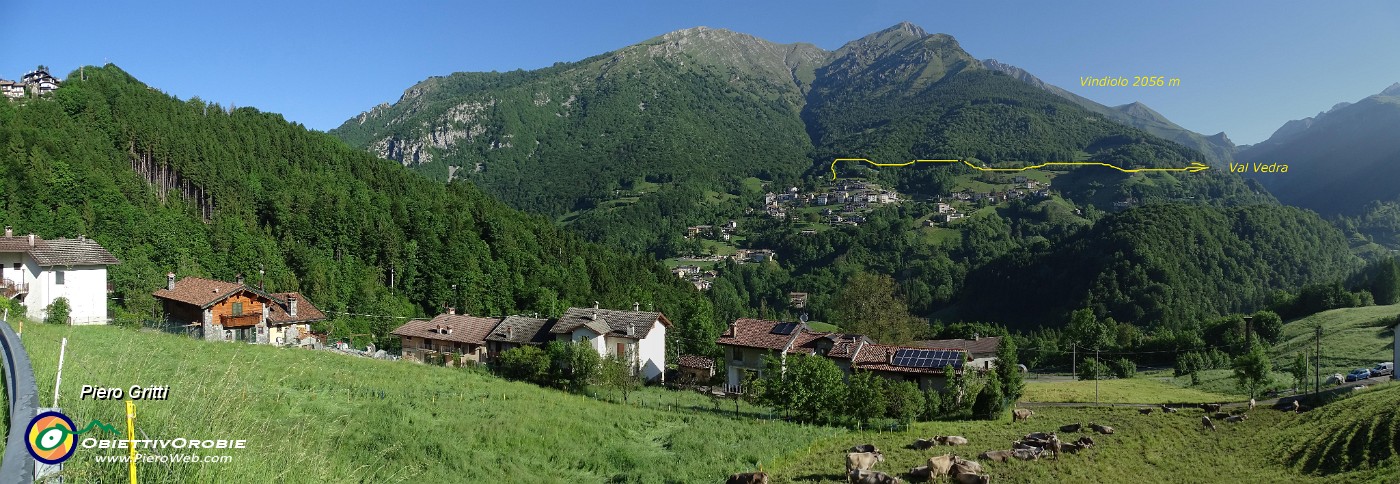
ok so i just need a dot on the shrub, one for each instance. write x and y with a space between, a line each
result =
1092 369
1124 368
525 363
58 312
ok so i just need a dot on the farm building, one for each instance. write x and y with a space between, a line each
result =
233 311
38 271
459 337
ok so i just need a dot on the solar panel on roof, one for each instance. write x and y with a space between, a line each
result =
919 358
784 328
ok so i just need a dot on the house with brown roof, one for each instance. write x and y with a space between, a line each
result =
516 331
458 338
37 271
640 335
695 369
982 349
748 341
233 311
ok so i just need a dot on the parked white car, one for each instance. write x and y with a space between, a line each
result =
1383 369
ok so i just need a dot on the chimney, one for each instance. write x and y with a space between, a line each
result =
510 332
595 305
594 317
976 336
9 231
636 306
31 240
169 278
239 279
631 329
734 329
292 305
452 310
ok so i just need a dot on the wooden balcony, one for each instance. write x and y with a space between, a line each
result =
13 289
243 321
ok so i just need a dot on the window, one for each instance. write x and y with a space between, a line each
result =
58 277
238 309
17 265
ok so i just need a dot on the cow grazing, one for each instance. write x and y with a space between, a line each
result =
1251 404
973 479
1145 411
1071 428
1103 429
940 465
871 477
863 448
1237 418
1210 407
964 466
1021 414
1166 409
922 444
1055 446
922 473
996 455
863 460
1206 423
748 478
952 440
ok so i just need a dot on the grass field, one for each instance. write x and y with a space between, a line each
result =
1142 389
1351 337
1156 448
312 416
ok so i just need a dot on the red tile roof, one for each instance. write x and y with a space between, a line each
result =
757 333
459 328
696 361
202 292
980 348
279 312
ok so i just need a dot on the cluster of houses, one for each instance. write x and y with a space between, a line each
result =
702 279
849 199
37 82
457 339
723 232
747 343
1021 188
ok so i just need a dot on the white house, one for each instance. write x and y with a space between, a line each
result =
38 271
641 334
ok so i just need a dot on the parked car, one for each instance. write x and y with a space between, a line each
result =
1359 374
1384 369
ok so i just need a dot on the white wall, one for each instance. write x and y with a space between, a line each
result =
595 340
8 260
651 352
84 286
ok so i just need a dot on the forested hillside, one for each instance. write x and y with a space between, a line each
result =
335 223
1171 265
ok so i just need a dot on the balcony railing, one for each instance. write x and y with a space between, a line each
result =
12 288
240 321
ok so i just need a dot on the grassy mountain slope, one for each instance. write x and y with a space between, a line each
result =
1176 265
1218 149
1351 338
566 137
319 217
1357 433
313 416
1338 161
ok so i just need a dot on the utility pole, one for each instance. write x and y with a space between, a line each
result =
1317 360
1073 362
1097 365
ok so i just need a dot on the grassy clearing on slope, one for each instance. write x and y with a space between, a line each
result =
1351 337
1359 432
312 416
1165 448
1131 390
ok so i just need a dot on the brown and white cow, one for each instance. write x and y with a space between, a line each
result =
1021 414
973 479
952 440
748 478
863 460
940 465
1206 423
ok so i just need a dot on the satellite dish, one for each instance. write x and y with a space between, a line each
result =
803 318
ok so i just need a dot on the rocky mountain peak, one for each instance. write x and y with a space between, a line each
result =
1393 90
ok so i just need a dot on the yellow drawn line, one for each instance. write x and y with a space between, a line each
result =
1194 167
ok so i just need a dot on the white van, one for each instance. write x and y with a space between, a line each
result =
1387 368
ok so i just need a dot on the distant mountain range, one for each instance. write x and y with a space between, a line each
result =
707 108
1339 160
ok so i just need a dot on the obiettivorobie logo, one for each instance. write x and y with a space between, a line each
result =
52 438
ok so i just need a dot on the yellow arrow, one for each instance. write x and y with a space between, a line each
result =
1194 167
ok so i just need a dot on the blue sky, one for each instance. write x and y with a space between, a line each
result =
1245 68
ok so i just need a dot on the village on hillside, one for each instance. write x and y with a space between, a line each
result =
37 82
